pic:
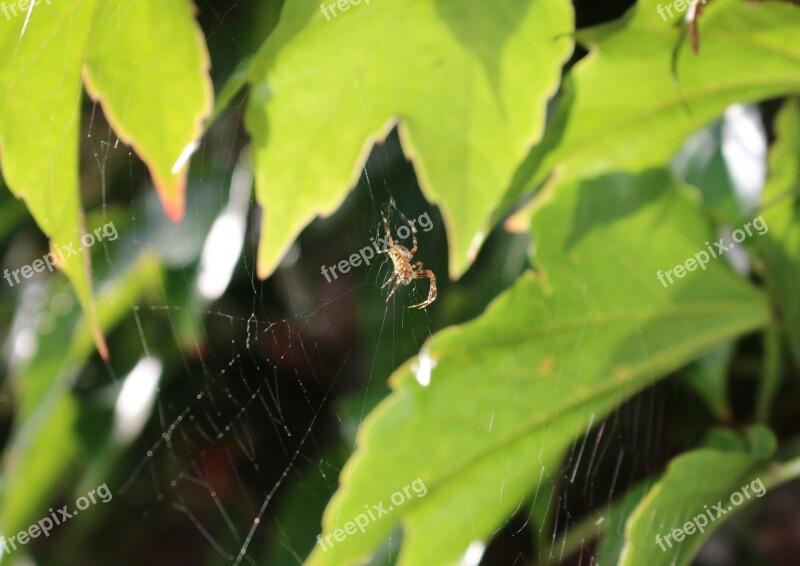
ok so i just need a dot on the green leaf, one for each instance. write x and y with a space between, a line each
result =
781 244
698 492
155 93
40 74
466 85
561 349
748 53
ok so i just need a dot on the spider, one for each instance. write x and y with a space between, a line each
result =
404 270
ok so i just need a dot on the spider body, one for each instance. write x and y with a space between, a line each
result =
403 271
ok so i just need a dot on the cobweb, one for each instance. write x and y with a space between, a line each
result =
272 380
274 377
257 388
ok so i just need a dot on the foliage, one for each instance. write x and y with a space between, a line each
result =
499 120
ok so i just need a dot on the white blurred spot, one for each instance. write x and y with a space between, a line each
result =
744 148
25 344
475 246
23 336
736 254
473 555
220 254
422 369
184 156
135 400
223 245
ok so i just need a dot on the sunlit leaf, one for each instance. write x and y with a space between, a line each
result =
466 85
155 92
625 109
148 65
40 74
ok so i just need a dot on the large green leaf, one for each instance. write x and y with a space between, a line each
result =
699 491
510 390
148 65
624 109
465 83
145 60
781 245
40 74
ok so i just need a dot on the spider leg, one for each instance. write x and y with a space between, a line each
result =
396 285
392 276
388 231
432 293
414 234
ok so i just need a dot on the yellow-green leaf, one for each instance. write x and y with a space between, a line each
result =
465 83
146 61
510 390
40 74
625 109
148 65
